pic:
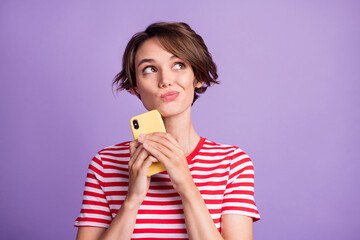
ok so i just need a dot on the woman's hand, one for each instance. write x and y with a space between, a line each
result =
167 150
139 182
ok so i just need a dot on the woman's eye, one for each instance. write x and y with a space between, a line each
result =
179 66
149 69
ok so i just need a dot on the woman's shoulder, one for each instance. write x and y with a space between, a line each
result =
111 159
114 153
212 145
238 159
118 147
226 150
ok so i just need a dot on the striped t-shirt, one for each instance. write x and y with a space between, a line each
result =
223 174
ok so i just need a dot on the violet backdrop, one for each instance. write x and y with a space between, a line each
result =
289 97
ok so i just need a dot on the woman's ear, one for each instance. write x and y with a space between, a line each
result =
199 84
133 91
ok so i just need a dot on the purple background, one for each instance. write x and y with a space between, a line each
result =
289 97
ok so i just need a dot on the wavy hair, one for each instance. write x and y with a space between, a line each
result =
177 38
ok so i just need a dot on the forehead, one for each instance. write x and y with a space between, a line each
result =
151 49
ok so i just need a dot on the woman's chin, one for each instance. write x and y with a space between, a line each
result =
168 113
171 112
168 110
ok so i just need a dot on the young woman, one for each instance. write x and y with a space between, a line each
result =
207 190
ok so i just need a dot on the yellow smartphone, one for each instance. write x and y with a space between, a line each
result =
147 123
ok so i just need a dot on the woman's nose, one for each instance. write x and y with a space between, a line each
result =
166 79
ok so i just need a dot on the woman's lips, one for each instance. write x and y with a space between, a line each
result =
169 96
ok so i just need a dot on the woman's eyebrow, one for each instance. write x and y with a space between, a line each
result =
145 60
150 60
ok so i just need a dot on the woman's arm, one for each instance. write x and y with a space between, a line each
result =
122 226
90 233
199 224
236 227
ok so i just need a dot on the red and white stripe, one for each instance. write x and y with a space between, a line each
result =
223 174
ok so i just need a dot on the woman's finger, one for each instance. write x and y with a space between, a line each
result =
161 137
155 148
140 158
161 143
159 155
133 145
135 154
148 161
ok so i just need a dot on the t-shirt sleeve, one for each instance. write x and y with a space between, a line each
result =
239 192
95 211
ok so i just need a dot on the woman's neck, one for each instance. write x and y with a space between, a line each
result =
182 129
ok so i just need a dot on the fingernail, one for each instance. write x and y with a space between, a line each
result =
141 137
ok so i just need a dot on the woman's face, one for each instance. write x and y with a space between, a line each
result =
164 81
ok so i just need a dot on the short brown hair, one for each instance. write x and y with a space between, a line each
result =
177 38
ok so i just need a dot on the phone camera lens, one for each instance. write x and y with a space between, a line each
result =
136 124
